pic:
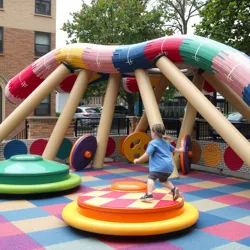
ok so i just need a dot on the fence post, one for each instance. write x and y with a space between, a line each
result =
197 129
75 127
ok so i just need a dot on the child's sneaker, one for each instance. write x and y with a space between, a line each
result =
176 193
147 197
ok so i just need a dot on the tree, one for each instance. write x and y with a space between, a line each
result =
116 22
227 22
177 13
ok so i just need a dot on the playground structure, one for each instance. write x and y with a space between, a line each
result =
175 58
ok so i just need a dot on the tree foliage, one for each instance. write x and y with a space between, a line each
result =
177 13
115 22
227 22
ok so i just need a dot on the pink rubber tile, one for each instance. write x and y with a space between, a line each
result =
9 229
82 189
96 172
231 230
2 220
229 199
140 169
188 188
226 181
119 242
122 179
245 205
21 241
54 209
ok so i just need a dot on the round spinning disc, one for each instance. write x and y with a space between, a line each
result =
186 157
135 145
110 147
83 152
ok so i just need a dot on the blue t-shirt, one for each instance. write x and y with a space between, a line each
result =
160 159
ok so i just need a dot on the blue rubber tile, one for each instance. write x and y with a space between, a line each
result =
245 185
230 213
197 240
206 193
207 220
50 201
109 176
229 189
57 236
188 180
24 214
245 242
85 243
189 197
97 183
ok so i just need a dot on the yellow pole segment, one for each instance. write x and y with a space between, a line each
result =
106 120
189 118
158 91
148 97
228 132
32 101
228 94
67 114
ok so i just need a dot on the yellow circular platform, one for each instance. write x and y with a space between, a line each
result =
74 218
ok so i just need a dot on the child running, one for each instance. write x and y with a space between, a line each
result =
160 162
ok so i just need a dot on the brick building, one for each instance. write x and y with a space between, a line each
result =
27 31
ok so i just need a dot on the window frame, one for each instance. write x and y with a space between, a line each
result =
49 108
1 4
40 13
2 41
39 32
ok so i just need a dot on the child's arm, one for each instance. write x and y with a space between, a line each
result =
142 158
182 149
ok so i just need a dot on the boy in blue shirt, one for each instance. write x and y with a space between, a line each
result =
160 162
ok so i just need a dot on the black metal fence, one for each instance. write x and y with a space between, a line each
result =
120 126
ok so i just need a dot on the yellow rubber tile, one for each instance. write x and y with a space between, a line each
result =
38 224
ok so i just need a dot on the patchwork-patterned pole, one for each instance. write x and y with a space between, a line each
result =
106 119
33 100
158 91
230 95
189 118
214 117
67 114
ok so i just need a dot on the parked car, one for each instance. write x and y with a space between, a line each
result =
239 122
87 116
119 109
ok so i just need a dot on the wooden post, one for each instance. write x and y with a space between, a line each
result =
189 118
106 120
67 114
228 94
158 91
33 100
228 132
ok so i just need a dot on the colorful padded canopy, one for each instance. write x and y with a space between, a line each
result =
227 64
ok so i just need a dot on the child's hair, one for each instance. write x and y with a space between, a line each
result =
160 131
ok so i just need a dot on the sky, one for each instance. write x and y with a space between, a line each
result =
65 7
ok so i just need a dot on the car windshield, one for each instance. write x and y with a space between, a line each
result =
234 117
92 110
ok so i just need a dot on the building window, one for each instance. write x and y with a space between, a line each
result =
44 108
1 4
42 43
1 39
43 7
